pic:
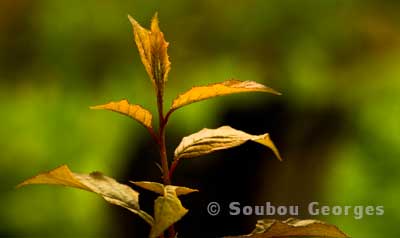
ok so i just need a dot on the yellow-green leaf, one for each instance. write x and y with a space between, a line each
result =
134 111
112 191
160 188
293 228
200 93
153 51
207 141
168 210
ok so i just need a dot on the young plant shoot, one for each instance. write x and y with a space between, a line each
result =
168 208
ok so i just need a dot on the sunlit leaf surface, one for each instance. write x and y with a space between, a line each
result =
136 112
160 188
168 210
293 228
200 93
112 191
153 51
207 141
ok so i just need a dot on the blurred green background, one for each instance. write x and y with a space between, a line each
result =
337 63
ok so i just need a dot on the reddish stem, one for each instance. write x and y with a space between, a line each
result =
163 151
173 167
163 155
153 135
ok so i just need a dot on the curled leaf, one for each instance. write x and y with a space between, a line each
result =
153 51
207 141
160 188
168 210
112 191
134 111
269 228
200 93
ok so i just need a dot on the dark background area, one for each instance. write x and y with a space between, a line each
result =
336 123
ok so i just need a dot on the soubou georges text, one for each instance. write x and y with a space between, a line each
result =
313 208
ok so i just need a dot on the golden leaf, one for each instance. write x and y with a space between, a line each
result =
207 141
168 210
153 51
200 93
293 228
134 111
112 191
160 188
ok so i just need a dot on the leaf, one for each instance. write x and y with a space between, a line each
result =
167 211
200 93
160 188
153 51
112 191
207 141
293 228
134 111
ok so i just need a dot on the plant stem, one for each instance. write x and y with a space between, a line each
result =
161 139
164 159
173 167
153 135
163 150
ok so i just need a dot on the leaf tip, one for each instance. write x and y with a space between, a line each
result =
277 93
18 186
277 154
155 24
155 17
22 184
279 157
95 107
131 19
273 91
266 140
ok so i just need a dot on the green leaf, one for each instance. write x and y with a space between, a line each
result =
293 228
112 191
168 210
207 141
